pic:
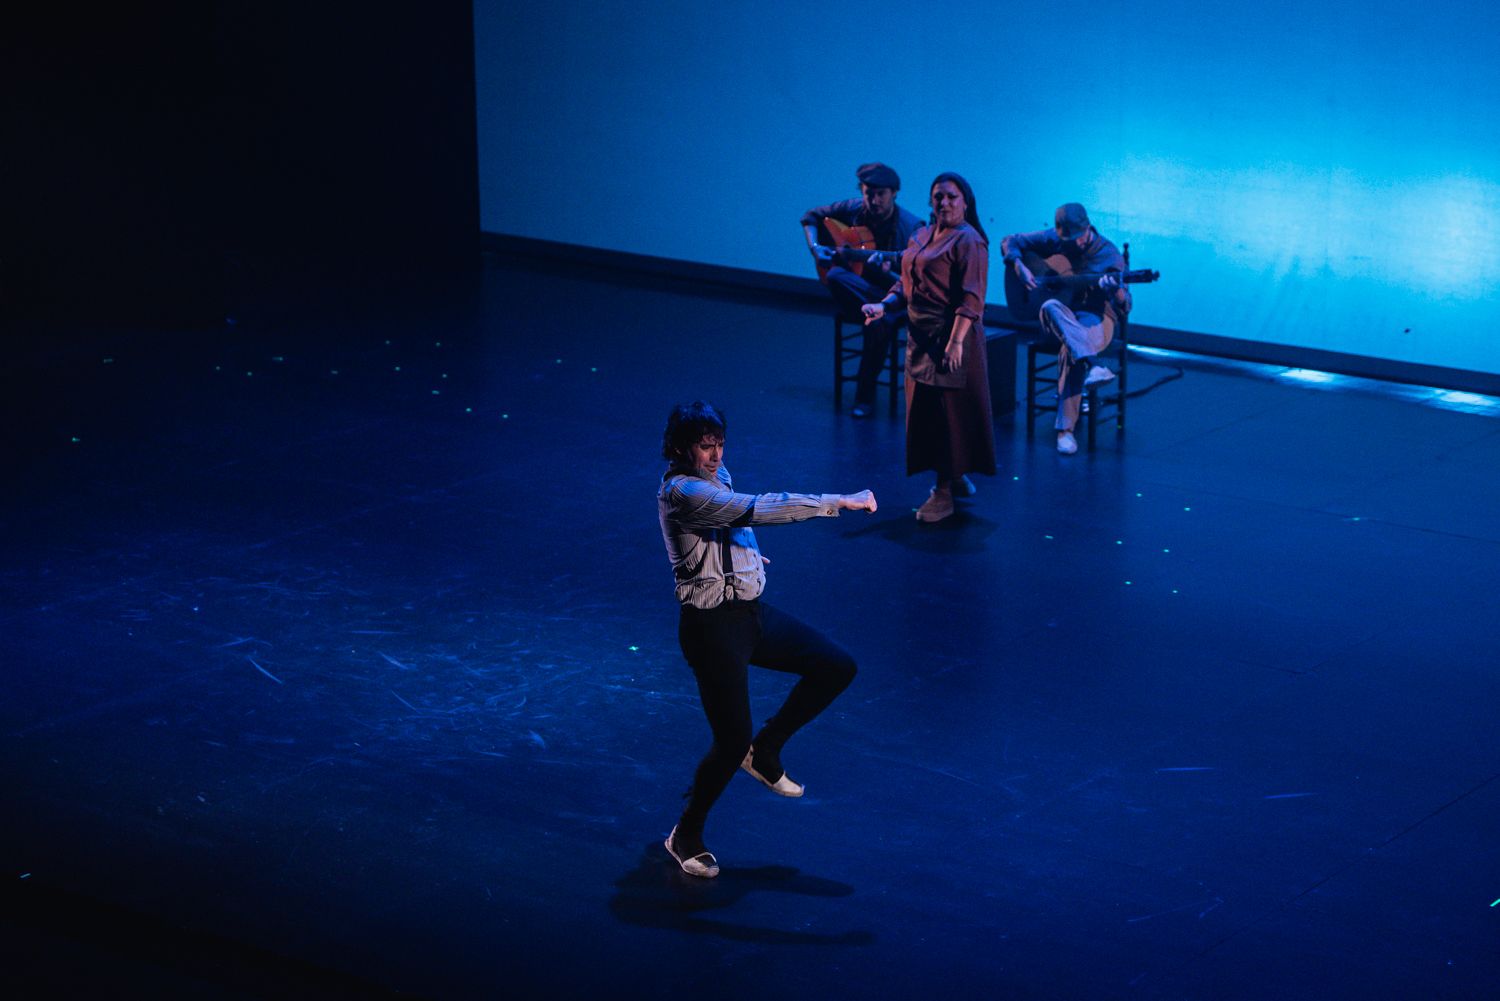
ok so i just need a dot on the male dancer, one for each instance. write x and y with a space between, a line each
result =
724 626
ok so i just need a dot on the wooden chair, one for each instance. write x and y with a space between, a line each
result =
848 345
1103 401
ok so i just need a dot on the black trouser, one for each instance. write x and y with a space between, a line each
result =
720 644
851 291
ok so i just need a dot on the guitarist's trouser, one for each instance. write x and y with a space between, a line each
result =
1082 336
851 291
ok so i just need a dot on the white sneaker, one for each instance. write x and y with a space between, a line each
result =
1066 443
1097 375
703 865
783 786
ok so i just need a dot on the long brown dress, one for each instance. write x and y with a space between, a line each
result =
949 429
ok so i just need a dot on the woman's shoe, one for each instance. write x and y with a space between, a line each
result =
703 865
937 506
781 787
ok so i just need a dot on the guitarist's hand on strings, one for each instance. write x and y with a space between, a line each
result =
1111 283
822 253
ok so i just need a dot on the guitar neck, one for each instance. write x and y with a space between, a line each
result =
878 256
1124 277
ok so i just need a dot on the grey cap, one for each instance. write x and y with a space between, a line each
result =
1072 220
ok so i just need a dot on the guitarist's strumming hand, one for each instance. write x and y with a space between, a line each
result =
1024 273
821 253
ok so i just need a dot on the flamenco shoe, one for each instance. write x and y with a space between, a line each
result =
783 786
964 487
1066 443
936 507
1098 375
702 865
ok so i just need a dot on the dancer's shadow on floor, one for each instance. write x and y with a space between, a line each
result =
658 894
962 532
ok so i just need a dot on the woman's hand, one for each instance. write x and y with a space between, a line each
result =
953 354
873 311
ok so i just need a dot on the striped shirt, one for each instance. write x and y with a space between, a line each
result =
701 521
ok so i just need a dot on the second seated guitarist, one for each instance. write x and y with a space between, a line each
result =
891 227
1085 318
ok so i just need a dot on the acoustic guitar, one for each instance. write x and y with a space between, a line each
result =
1055 280
856 244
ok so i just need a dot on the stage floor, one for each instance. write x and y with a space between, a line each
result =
341 656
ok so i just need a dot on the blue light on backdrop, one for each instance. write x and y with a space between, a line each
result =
1314 175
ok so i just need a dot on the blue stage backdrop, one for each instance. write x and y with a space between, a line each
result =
1321 175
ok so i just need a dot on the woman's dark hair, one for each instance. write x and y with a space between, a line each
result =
688 423
971 212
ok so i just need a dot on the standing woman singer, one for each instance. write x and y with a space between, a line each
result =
944 274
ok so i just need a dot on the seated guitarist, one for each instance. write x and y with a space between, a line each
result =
1085 324
892 227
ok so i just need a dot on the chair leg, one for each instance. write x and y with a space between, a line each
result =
895 376
1120 381
838 363
1030 389
1093 397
